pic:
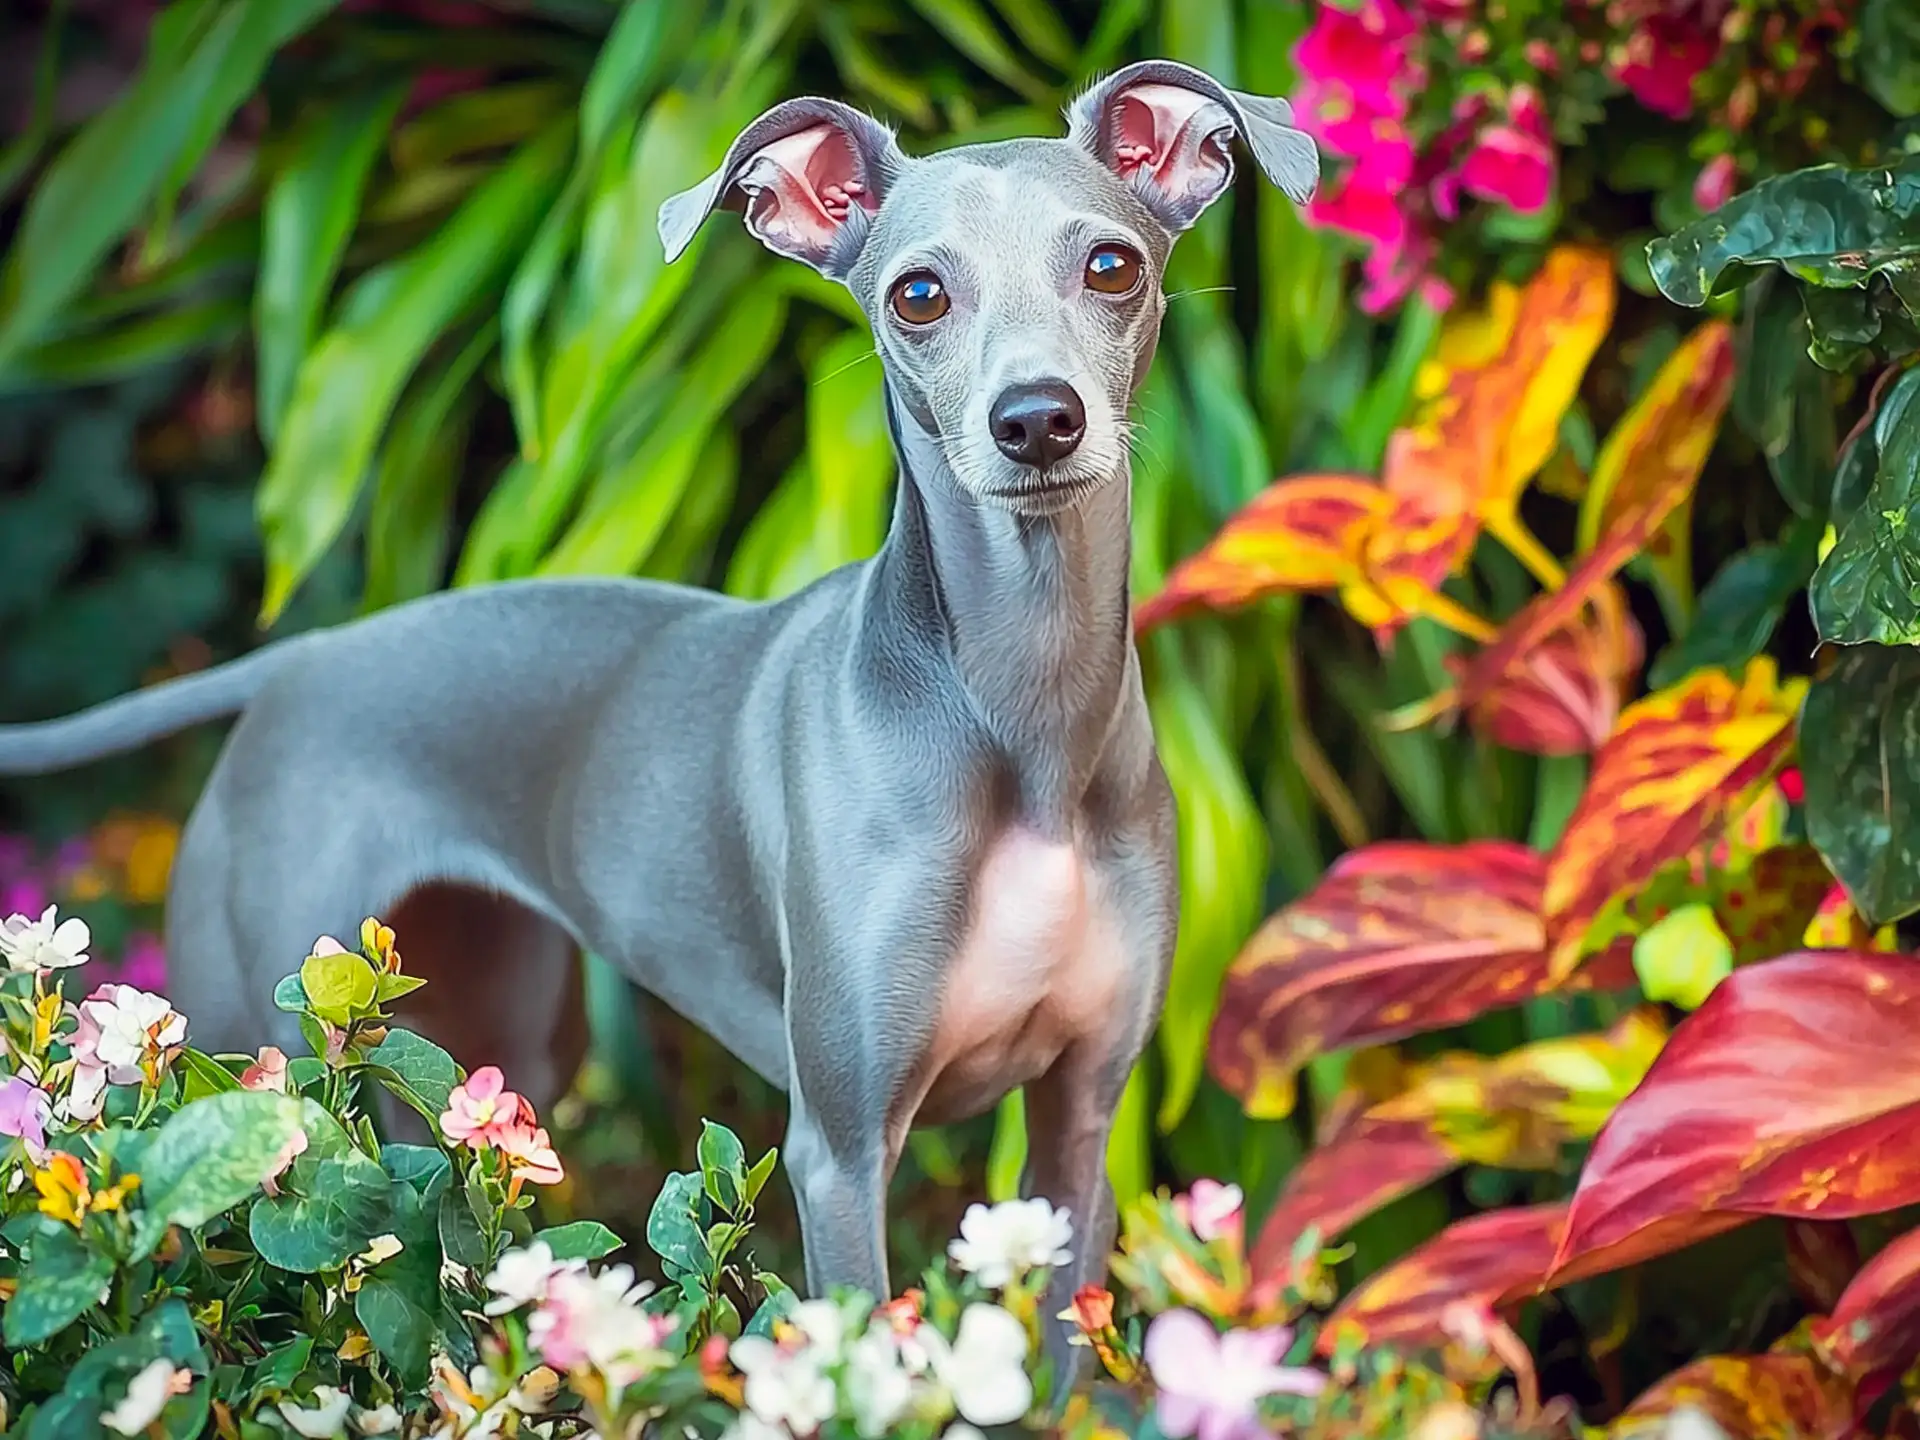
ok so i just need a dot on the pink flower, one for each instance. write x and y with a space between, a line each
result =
530 1154
1368 211
1660 62
24 1111
1511 167
296 1146
1388 276
1364 50
481 1109
1715 183
1335 117
1211 1384
1210 1209
269 1072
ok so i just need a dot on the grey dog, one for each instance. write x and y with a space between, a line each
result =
901 841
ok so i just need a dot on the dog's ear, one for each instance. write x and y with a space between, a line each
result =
1168 130
807 175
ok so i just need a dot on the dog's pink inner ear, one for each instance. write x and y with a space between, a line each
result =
801 189
1165 133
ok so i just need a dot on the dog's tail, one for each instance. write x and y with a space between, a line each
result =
133 720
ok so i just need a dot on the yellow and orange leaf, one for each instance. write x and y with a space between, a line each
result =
1397 938
1793 1091
1750 1397
1680 765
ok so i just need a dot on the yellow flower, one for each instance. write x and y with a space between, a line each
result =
376 943
63 1188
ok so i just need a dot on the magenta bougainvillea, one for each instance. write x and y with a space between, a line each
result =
1450 121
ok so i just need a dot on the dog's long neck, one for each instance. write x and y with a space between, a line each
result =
1033 612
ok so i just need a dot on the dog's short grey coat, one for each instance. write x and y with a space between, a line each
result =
773 817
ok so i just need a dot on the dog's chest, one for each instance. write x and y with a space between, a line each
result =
1038 966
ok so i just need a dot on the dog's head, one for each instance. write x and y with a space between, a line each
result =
1014 288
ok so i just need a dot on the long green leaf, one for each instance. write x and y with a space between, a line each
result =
203 60
348 386
306 220
970 30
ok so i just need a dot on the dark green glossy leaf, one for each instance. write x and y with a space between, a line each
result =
99 1379
1868 587
398 1304
1860 756
328 1211
673 1228
61 1278
580 1240
307 217
1854 235
1736 613
205 1075
423 1167
461 1237
428 1071
1781 398
210 1156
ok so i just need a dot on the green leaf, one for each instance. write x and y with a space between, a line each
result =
279 1368
757 1176
290 995
1682 956
423 1167
461 1237
106 357
1860 756
306 219
1007 1156
327 1212
1782 399
422 1066
1852 234
970 29
99 1379
1040 30
202 61
723 1165
205 1075
673 1227
1889 54
630 60
1868 587
341 987
398 1304
209 1156
1736 614
580 1240
777 1306
349 384
61 1279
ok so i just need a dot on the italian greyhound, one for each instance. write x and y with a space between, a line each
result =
900 841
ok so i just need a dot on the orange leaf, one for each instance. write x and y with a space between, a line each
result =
1306 533
1498 385
1873 1334
1678 767
1794 1090
1750 1397
1495 1260
1395 939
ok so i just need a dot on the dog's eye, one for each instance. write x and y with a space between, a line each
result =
919 298
1113 269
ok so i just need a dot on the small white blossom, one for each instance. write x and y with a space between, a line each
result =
382 1249
522 1276
985 1368
324 1419
122 1029
789 1388
961 1430
998 1243
749 1426
878 1389
147 1392
44 944
381 1420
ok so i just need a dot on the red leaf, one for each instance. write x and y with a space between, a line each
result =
1397 938
1492 1260
1563 696
1873 1334
1794 1090
1750 1397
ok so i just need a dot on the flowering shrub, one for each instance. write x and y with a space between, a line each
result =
1468 126
224 1245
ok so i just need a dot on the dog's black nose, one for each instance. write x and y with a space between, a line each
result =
1038 424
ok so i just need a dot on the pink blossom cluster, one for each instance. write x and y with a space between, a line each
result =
483 1114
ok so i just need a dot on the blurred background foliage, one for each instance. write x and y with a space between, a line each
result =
313 306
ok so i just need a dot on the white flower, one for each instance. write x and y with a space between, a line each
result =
522 1276
43 945
986 1366
596 1320
382 1249
149 1391
86 1096
749 1426
961 1430
999 1243
824 1325
382 1420
122 1028
789 1388
324 1419
878 1390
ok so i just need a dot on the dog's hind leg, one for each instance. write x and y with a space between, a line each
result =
503 986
